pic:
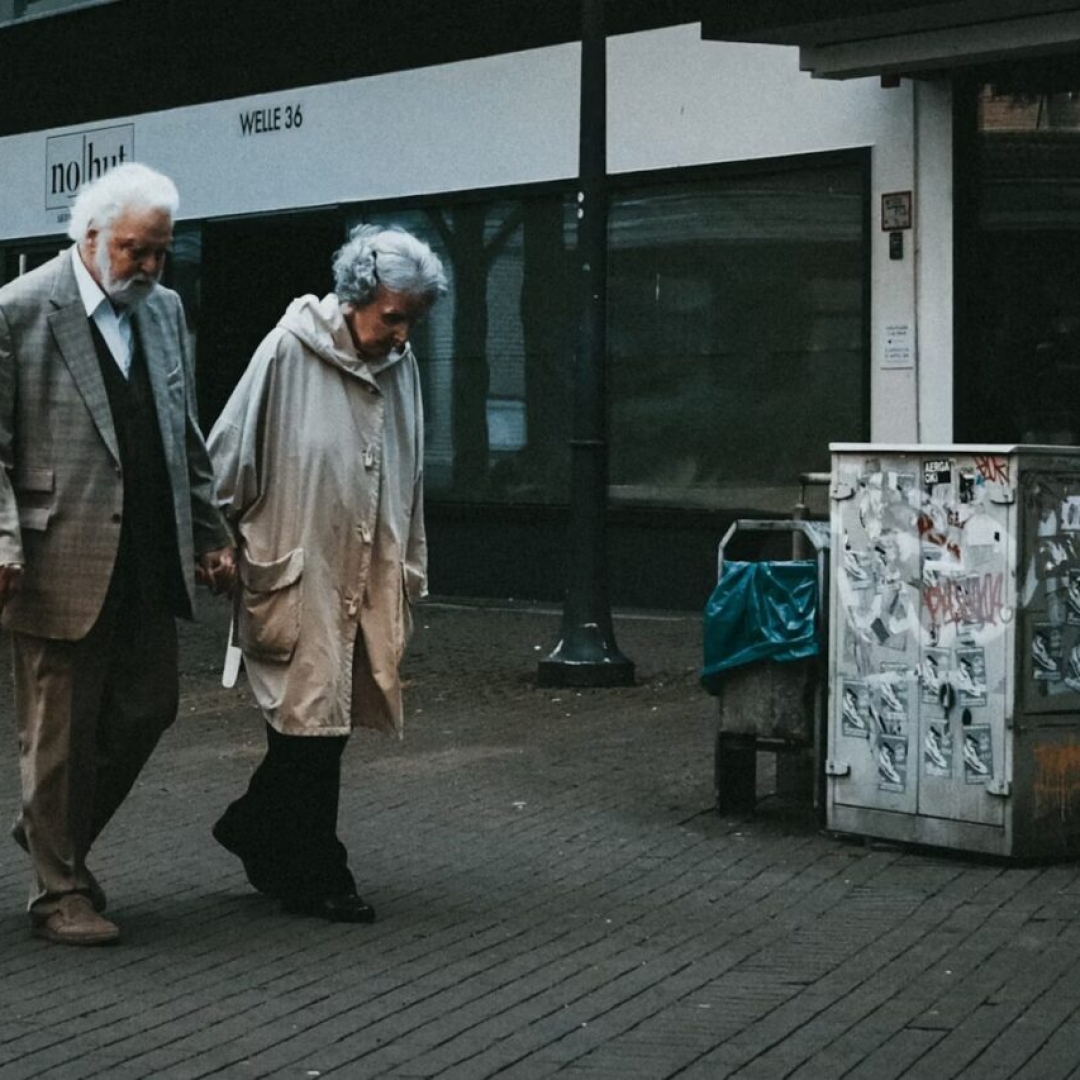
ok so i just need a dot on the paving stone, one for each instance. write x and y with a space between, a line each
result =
557 896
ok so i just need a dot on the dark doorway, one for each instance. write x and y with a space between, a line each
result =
251 269
1018 256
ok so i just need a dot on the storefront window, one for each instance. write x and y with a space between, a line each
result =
20 257
494 354
237 276
737 335
183 268
736 331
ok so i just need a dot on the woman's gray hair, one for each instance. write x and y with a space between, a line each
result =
390 257
99 203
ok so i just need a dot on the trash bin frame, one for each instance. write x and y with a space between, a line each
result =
735 759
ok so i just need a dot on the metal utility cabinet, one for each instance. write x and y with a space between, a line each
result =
954 647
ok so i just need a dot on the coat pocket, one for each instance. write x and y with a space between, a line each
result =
34 495
269 605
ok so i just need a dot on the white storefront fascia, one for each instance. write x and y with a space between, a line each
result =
485 123
674 100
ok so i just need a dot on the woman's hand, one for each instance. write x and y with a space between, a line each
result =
218 570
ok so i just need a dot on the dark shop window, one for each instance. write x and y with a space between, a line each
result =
737 334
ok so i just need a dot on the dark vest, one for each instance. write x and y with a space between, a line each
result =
149 557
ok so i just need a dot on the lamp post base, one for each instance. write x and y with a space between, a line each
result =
585 659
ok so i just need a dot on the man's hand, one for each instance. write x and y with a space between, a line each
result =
10 580
218 570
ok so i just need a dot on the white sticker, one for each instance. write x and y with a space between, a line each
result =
898 347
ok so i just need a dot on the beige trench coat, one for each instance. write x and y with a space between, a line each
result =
318 458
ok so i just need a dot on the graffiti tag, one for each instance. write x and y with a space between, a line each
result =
994 470
973 600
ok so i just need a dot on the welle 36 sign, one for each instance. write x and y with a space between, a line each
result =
81 156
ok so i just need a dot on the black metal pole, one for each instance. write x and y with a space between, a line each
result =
586 654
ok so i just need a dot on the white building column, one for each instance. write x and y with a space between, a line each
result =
934 257
911 362
894 338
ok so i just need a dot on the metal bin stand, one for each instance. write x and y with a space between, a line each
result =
774 706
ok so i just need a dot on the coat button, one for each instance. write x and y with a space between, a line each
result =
116 518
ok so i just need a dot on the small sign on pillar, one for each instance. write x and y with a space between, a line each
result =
896 219
895 211
898 346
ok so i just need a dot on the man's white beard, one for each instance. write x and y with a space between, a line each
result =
127 292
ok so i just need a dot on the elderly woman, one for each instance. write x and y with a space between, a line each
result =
318 457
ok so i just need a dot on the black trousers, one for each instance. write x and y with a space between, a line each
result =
287 820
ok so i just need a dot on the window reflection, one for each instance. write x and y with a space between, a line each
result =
494 354
736 330
1028 110
736 335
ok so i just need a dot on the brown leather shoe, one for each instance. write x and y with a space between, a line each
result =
75 922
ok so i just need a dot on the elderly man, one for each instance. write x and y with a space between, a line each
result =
105 505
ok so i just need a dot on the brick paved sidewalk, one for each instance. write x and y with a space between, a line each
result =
556 895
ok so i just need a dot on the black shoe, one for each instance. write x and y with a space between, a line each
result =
261 878
227 837
344 907
258 874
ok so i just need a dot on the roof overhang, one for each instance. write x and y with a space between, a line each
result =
185 52
846 38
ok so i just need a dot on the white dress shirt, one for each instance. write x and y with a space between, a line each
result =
115 326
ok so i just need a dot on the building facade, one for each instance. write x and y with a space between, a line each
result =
784 269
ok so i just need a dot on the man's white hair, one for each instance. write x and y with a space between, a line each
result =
131 185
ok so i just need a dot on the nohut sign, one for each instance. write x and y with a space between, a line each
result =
79 157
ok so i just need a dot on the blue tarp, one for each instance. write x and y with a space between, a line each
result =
759 611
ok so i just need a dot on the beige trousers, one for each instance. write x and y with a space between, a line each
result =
89 714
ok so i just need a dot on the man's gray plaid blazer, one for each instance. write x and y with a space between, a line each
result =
61 489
